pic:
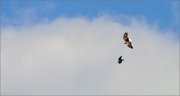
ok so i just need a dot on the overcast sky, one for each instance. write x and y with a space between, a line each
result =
75 52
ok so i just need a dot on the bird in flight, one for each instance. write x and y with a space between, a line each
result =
120 60
127 40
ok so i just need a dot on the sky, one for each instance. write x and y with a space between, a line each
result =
164 14
58 47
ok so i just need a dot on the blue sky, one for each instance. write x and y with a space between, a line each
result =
164 13
58 47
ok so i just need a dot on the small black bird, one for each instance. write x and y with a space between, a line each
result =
120 60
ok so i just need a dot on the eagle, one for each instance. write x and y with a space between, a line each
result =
127 40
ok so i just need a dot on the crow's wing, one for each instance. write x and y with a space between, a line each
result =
120 58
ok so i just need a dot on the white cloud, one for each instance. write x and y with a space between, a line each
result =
79 56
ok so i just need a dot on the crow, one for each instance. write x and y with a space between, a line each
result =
120 60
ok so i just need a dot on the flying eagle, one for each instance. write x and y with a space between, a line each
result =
127 40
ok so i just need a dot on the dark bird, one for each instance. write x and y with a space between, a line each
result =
120 60
127 40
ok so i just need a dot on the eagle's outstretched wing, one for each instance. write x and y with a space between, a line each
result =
125 37
130 45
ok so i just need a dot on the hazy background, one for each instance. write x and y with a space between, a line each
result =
78 55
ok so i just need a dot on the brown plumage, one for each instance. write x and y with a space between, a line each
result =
127 40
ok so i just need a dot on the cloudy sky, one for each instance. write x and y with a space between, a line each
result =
58 47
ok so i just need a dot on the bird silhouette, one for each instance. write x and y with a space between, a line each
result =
120 60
